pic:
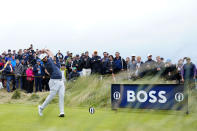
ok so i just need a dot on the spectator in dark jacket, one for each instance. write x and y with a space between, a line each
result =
38 73
105 64
18 73
120 64
149 66
74 74
9 75
86 64
60 56
188 73
96 63
77 63
24 80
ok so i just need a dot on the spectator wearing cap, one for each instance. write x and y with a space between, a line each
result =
18 74
86 64
96 63
120 64
30 79
74 74
188 73
150 65
38 73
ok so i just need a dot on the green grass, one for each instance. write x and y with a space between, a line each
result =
21 114
20 117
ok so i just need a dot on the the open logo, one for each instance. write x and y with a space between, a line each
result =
116 95
179 97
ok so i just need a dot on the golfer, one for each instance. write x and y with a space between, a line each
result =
56 83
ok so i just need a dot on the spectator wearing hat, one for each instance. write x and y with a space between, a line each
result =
74 74
120 64
38 73
96 63
188 73
30 79
86 64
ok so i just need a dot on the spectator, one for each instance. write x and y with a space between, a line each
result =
30 79
18 74
24 80
64 72
188 73
38 72
149 66
45 80
69 65
77 63
120 64
111 64
74 74
86 64
178 69
2 72
159 66
96 63
105 63
60 56
67 56
170 70
9 75
139 67
132 67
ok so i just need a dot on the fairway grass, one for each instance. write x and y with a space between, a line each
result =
23 117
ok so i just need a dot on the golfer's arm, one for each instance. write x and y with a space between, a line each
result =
50 54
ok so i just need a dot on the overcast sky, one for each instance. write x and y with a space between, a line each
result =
162 27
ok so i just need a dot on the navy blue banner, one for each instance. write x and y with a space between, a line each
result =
162 97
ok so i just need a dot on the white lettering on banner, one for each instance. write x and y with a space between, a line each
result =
163 98
153 98
130 96
142 96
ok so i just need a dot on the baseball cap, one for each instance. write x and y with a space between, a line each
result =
42 56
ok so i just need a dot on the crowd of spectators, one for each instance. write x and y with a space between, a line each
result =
25 69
